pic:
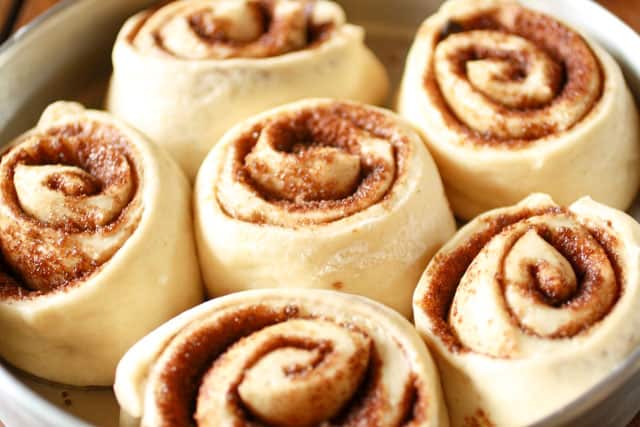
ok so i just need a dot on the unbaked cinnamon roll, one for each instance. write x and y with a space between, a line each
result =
529 306
185 73
282 358
511 101
322 194
96 245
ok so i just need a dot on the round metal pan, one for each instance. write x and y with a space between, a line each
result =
65 54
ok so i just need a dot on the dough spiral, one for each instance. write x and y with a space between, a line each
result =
512 101
334 194
530 297
78 196
282 358
200 66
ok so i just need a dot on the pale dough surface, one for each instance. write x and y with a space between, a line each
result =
514 369
148 269
355 331
186 104
377 249
597 156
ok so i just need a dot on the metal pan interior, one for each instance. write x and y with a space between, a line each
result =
43 63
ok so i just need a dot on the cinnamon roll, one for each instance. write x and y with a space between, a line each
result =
282 358
529 306
322 194
96 245
188 71
511 101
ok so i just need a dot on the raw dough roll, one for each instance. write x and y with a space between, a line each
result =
282 358
529 306
322 194
512 101
96 245
185 73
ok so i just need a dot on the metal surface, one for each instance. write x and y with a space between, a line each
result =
65 54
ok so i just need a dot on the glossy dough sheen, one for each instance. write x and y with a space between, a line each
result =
282 358
186 73
511 101
96 243
321 194
529 306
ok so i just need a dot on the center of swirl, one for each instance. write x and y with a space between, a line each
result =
277 365
288 374
307 164
512 74
61 195
552 276
229 22
535 266
310 167
63 191
71 181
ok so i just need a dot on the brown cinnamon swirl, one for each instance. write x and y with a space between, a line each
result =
80 203
282 358
188 71
528 299
512 101
206 29
330 194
